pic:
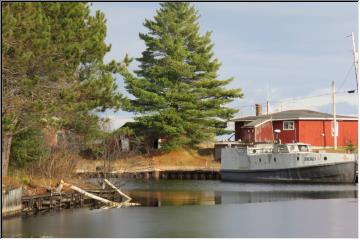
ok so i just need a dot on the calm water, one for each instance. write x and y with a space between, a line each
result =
172 208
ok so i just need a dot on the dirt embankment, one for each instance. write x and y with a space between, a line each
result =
181 159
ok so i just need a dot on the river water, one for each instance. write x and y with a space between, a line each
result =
175 208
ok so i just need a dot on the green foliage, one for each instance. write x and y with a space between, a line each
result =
52 55
176 88
53 63
27 147
350 147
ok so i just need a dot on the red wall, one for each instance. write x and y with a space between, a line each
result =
311 132
264 132
348 130
307 131
286 136
247 134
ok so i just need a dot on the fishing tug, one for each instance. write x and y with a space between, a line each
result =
293 162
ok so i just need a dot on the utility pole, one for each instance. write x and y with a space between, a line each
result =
267 100
355 54
334 112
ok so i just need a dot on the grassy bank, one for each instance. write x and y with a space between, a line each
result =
181 159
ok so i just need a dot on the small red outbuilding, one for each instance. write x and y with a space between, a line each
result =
315 128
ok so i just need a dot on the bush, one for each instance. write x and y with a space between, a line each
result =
27 147
350 147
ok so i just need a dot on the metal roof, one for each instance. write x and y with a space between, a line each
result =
294 114
257 122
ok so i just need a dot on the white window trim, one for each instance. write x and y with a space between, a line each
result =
287 129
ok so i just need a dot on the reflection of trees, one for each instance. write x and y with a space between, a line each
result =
178 198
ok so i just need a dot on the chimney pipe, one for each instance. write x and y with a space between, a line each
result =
258 109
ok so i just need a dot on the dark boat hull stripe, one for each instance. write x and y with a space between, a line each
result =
334 173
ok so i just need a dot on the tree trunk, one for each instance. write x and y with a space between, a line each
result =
5 151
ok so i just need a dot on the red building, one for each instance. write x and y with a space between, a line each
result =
315 128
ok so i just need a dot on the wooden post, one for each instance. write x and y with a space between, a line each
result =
51 200
81 200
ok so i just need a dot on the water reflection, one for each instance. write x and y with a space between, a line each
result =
179 198
176 192
274 196
206 209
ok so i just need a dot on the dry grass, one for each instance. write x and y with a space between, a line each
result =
40 177
338 150
177 159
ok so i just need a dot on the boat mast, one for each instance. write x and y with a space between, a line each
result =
334 113
355 54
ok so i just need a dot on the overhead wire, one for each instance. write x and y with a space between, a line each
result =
347 75
292 100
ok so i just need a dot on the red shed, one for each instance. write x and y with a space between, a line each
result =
306 126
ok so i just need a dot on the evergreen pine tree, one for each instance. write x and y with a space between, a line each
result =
176 89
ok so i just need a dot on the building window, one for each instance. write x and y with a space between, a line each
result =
288 125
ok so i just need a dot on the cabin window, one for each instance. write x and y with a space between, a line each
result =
259 159
325 158
274 159
288 125
297 158
303 148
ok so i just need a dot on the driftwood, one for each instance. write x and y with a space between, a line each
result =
90 195
117 189
100 199
59 188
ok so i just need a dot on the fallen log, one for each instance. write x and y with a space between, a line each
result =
100 199
118 190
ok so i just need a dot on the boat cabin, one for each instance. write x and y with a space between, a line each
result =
292 148
279 148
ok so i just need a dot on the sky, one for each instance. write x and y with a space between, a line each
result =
289 52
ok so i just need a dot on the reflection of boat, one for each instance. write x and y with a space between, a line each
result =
286 162
274 196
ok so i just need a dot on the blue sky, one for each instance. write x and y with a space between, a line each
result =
287 50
